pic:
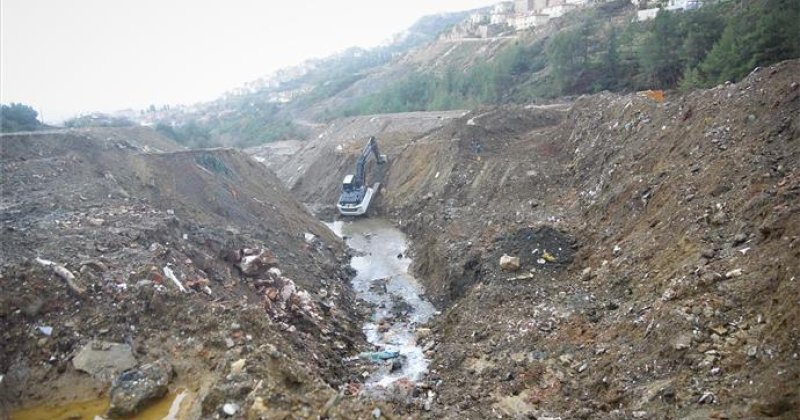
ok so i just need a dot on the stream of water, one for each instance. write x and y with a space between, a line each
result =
383 280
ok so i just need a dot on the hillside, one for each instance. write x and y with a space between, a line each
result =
658 243
591 217
599 47
116 238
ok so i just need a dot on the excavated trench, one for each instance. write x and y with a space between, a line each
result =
399 306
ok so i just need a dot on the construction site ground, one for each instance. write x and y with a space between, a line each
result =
658 245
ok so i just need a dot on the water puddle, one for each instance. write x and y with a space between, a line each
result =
171 407
383 280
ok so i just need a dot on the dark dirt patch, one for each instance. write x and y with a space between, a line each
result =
535 244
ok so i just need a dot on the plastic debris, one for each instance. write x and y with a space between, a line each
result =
377 356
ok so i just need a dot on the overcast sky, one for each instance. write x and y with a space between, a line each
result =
65 57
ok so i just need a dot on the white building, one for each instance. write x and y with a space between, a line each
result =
501 13
559 10
683 4
505 7
529 20
647 14
478 18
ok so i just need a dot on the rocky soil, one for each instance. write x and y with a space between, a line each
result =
658 241
119 250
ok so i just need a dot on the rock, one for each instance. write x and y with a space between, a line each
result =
509 263
739 238
565 359
733 273
258 409
684 341
238 366
229 343
397 364
669 294
229 409
708 253
752 351
104 359
719 218
423 333
95 221
257 263
587 274
135 388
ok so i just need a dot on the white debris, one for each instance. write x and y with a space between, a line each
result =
62 272
230 409
168 272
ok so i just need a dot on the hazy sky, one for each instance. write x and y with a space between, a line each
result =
69 56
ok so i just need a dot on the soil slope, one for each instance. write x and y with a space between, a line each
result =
123 211
659 246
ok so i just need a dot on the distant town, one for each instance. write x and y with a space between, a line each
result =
507 17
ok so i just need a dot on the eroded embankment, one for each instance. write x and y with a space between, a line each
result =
671 233
200 258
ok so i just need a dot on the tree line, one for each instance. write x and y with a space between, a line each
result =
721 41
18 117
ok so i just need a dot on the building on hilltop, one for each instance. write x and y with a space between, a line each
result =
558 10
523 6
501 13
674 5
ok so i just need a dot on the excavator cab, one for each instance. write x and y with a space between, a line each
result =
356 196
348 184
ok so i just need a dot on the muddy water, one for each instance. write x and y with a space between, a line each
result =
173 406
383 280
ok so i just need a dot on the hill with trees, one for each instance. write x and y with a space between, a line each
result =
589 50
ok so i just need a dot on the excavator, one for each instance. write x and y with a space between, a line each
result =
356 196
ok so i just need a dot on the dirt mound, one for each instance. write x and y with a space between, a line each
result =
199 257
680 297
314 173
